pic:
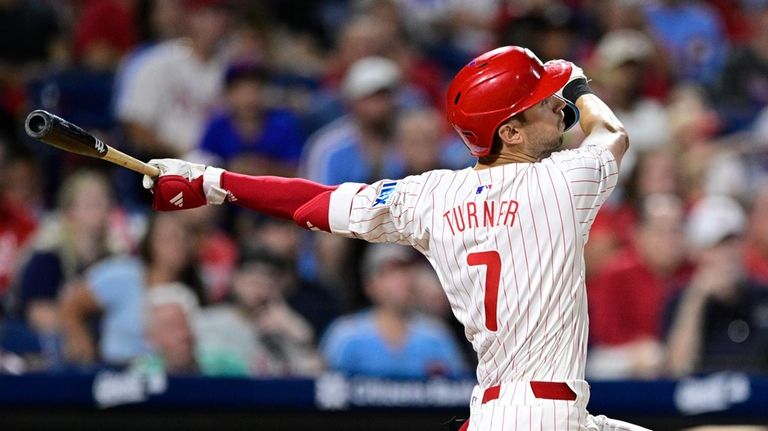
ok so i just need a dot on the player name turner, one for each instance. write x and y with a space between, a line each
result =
470 215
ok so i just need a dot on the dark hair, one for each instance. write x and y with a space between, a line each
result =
188 275
497 143
262 256
245 71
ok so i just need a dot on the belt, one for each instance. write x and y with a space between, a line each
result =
543 390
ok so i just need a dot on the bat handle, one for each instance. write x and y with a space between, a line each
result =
132 163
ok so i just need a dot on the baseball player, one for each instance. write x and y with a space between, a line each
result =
506 236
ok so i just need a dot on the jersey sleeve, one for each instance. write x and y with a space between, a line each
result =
592 173
385 211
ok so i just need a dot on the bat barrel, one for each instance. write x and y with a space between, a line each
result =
38 124
60 133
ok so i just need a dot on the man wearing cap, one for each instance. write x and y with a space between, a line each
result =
506 237
357 147
622 59
720 320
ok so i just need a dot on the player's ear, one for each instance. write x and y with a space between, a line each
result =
509 133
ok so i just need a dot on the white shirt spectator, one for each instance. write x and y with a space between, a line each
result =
172 94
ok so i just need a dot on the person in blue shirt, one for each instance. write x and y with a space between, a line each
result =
692 34
246 134
115 289
390 339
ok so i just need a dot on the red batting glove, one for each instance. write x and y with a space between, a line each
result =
174 192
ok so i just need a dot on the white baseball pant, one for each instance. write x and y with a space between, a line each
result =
544 406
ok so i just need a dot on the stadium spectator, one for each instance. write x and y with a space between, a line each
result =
259 335
365 36
17 224
430 299
316 303
756 252
717 322
116 288
358 37
216 251
546 28
451 31
390 339
169 312
31 40
656 172
164 106
105 31
626 301
156 22
706 166
692 35
742 90
84 231
423 145
419 71
246 135
356 147
622 65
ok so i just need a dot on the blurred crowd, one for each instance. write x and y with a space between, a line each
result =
335 91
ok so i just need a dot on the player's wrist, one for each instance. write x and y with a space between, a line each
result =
576 88
214 193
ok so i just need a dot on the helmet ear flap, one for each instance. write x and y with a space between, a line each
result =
571 114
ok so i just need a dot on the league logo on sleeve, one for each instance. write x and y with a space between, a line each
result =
386 195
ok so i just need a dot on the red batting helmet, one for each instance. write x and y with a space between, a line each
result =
497 85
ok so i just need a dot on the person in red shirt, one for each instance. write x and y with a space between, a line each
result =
627 298
16 227
17 223
756 250
655 171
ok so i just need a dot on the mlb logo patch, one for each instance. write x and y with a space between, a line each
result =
482 187
386 194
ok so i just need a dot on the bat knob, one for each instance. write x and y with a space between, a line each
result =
38 123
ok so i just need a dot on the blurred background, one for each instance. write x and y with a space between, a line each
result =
106 303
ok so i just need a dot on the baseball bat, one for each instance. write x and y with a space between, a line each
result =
60 133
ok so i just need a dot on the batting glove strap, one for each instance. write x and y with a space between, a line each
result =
575 89
214 193
175 192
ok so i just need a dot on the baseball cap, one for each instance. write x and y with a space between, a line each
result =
714 219
370 75
381 256
621 46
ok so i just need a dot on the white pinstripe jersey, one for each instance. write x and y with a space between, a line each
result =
507 244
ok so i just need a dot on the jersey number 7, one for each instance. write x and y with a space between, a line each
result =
492 262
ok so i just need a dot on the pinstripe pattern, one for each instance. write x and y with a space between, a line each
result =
536 216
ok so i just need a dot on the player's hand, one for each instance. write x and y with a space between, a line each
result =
181 185
716 279
576 73
177 167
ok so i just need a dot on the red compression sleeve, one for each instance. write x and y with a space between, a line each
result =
297 199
